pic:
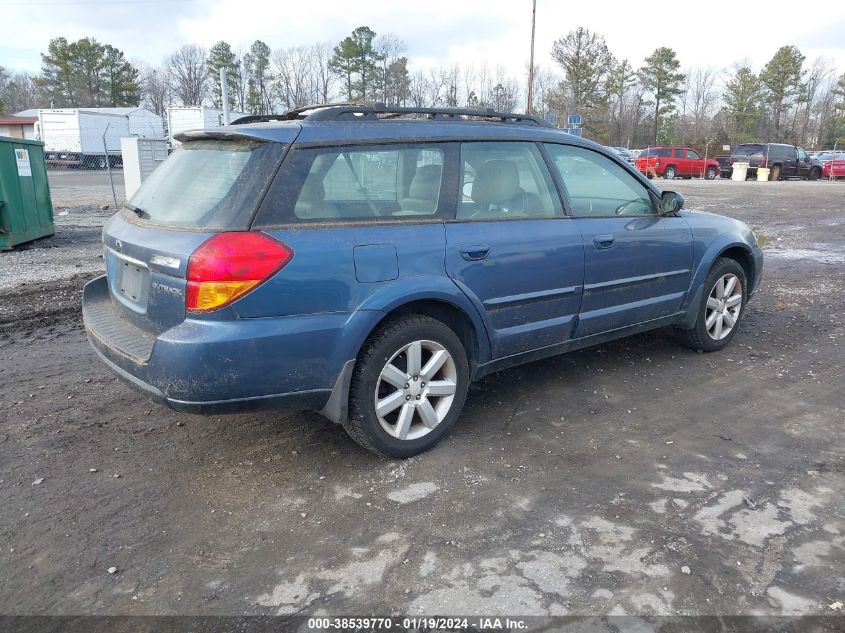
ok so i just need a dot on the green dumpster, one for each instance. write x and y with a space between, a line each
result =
26 212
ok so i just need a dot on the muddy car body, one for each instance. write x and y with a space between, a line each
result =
367 265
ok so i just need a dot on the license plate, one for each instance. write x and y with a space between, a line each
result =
132 281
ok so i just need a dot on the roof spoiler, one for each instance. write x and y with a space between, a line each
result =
216 134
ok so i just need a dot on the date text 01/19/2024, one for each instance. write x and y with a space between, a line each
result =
415 623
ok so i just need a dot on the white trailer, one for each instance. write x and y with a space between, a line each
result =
82 137
182 119
143 123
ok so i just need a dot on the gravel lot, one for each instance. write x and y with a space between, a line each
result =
637 477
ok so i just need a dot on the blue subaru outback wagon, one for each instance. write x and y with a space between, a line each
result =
369 262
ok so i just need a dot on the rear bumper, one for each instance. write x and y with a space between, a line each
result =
203 366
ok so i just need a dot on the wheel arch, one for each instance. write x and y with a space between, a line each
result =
737 251
453 310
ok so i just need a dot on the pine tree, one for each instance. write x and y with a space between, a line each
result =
86 73
661 78
781 80
743 95
355 62
220 56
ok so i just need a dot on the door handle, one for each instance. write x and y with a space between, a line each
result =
603 241
474 252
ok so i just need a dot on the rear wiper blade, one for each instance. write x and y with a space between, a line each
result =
136 210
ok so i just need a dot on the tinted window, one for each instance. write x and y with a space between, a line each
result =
213 184
802 155
749 150
377 183
597 186
502 181
693 155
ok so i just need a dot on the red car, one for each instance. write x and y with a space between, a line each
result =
835 166
670 162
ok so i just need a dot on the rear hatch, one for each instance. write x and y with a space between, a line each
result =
751 153
211 183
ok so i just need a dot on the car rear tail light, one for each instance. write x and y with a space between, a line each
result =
229 265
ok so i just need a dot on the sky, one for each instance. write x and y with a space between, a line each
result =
437 32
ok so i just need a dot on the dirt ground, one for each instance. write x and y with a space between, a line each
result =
637 477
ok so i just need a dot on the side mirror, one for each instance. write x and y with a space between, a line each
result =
670 202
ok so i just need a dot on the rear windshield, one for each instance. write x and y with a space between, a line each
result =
748 150
208 184
656 151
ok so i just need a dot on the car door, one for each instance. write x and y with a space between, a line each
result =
790 162
695 163
511 249
681 160
637 263
804 165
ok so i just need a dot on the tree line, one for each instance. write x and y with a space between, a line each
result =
657 101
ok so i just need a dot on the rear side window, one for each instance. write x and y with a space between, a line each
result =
375 183
208 184
501 181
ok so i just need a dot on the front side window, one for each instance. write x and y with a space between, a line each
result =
692 154
501 181
598 187
373 183
802 155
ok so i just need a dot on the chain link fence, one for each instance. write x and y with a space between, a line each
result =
85 165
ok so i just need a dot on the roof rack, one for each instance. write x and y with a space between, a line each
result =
377 111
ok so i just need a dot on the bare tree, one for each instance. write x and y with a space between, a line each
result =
156 93
389 46
820 73
293 83
419 89
188 74
322 78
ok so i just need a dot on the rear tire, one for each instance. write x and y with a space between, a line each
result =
395 409
718 309
669 173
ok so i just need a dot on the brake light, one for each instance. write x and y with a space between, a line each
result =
229 265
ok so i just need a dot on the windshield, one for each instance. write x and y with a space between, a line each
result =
748 150
209 184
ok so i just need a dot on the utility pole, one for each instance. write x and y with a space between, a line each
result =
530 108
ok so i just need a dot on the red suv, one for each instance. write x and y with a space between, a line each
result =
676 161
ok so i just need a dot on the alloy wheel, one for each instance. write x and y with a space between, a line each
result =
724 304
415 390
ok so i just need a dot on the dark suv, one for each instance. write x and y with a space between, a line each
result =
369 262
783 161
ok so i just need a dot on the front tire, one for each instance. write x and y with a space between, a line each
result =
710 174
721 308
408 387
815 174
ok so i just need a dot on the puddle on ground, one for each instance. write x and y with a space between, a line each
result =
822 255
